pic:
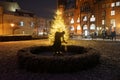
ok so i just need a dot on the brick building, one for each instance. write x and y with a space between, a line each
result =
15 21
85 17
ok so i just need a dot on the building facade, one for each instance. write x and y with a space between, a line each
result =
85 17
15 21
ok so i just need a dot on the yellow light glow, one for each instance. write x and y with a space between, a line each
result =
106 28
78 27
72 21
58 25
78 20
12 24
58 12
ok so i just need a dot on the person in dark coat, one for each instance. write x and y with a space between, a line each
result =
58 42
113 35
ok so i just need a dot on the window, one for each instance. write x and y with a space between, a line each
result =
72 21
107 5
103 5
78 27
92 19
103 22
117 3
98 28
72 28
70 4
21 23
113 22
32 24
112 12
92 26
78 20
112 4
85 27
70 14
85 18
104 13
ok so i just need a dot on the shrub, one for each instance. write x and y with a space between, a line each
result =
33 59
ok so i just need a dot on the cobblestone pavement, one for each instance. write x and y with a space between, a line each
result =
108 69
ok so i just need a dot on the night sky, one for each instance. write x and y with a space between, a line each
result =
42 8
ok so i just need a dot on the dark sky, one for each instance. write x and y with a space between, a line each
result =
42 8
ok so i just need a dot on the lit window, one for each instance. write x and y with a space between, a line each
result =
86 32
72 21
103 22
113 22
78 20
92 26
106 28
78 27
92 19
23 32
72 28
98 28
112 4
117 3
85 18
32 24
85 27
112 12
21 23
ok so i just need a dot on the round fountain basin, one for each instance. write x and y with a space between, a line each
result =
43 59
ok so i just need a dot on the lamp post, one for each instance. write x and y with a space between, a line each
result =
12 26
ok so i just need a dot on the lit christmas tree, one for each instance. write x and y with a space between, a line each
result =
58 25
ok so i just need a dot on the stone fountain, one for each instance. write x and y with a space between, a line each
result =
57 57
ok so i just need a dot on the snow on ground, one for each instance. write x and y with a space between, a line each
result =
109 69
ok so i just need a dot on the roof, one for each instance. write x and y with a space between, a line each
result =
9 6
14 8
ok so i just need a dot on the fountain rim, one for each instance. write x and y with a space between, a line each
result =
30 61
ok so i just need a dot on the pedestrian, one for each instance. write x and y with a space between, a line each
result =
113 35
103 34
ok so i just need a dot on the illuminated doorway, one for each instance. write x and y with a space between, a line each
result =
85 31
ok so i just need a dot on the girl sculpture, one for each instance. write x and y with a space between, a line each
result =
57 42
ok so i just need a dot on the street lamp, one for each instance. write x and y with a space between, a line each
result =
12 26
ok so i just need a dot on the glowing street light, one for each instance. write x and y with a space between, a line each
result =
12 26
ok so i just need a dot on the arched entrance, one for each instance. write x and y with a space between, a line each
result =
85 30
92 27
